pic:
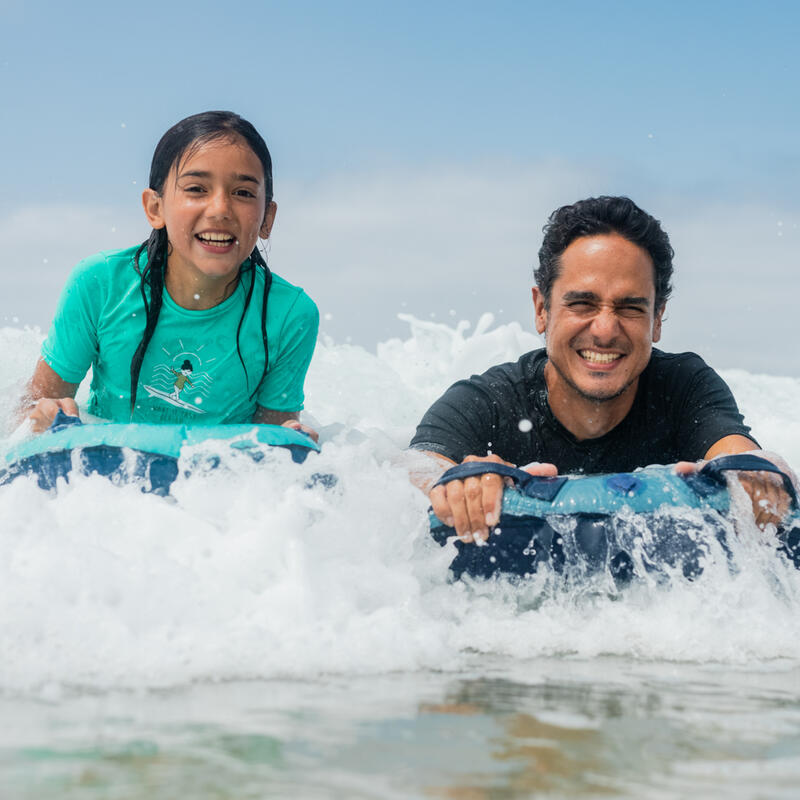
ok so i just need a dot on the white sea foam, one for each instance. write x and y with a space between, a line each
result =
250 572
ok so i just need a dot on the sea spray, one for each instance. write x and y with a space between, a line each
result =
256 571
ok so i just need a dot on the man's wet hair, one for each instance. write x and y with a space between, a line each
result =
604 215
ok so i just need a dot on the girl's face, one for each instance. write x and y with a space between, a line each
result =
214 208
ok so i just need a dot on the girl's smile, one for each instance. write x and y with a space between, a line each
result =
214 208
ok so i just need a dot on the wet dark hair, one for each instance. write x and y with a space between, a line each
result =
603 215
179 142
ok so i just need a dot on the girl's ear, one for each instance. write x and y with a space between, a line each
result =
151 200
269 220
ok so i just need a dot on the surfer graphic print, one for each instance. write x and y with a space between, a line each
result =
163 375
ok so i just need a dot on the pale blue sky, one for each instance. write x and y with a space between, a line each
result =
421 145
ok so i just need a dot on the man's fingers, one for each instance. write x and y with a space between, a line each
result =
471 506
441 506
449 505
770 501
542 470
688 467
492 487
457 504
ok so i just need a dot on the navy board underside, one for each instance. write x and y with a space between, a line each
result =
620 524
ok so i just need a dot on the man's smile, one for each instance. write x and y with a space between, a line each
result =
597 357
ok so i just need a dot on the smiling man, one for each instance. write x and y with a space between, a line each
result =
598 397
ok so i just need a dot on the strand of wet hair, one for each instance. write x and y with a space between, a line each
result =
152 276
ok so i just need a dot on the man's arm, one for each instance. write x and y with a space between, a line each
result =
766 491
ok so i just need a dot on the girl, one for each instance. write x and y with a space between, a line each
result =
191 325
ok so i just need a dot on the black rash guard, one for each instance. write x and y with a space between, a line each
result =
681 408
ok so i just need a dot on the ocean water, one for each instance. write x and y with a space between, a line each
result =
253 637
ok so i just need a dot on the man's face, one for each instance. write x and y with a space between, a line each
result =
602 318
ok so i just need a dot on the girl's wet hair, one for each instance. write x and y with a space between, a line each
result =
178 143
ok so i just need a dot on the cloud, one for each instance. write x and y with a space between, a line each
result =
42 244
453 242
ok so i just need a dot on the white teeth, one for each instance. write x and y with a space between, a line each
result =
599 358
225 238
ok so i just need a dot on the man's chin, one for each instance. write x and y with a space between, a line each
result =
599 392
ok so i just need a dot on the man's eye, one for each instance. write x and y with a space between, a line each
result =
581 306
630 311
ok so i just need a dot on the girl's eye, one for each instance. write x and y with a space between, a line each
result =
193 188
244 193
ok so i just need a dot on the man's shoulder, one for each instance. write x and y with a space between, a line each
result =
674 364
522 370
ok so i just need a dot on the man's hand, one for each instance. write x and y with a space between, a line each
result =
765 489
473 506
44 411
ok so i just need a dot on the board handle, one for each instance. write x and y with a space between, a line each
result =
747 462
538 486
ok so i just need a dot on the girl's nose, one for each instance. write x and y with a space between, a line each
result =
219 204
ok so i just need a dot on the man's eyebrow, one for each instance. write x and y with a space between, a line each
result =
571 297
200 173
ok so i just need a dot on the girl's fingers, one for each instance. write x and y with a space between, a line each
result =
45 410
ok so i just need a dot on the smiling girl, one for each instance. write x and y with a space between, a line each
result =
191 326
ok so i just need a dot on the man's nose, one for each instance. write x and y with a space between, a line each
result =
605 325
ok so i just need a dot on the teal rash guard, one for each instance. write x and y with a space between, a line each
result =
191 372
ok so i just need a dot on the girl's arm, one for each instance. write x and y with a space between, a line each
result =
268 416
47 393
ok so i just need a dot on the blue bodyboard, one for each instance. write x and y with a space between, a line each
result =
620 523
143 452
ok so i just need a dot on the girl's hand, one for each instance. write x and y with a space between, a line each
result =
45 409
296 425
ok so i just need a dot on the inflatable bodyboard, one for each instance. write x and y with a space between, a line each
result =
146 453
651 519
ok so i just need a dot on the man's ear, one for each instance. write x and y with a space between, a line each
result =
539 309
151 200
657 323
269 220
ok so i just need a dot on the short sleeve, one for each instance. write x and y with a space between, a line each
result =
458 424
709 413
282 387
71 344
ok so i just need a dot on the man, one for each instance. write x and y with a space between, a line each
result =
598 398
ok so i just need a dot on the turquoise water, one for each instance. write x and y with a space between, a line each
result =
550 728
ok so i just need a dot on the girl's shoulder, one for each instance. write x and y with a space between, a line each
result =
290 297
108 265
